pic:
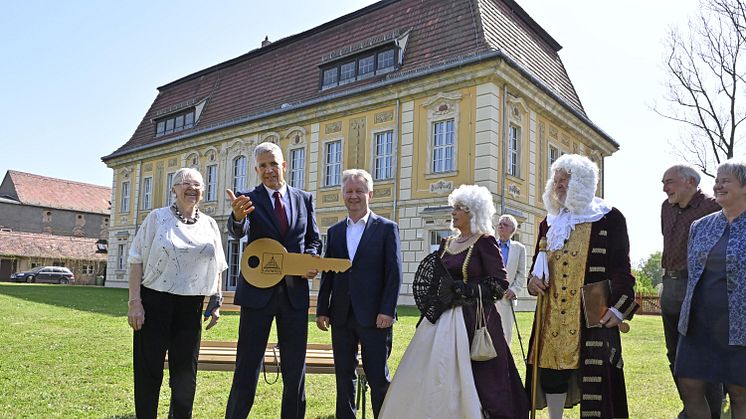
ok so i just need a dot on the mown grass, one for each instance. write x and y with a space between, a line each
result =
65 352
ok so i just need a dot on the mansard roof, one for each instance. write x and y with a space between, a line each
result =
285 75
47 192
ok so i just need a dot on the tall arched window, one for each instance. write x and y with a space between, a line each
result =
239 173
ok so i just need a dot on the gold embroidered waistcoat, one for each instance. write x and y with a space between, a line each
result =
560 340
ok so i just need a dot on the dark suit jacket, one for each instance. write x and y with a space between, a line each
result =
303 237
371 285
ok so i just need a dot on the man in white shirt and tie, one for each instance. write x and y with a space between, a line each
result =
360 303
514 259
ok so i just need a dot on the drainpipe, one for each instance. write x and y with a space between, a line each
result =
504 160
395 151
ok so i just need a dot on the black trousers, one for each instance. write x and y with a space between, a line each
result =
672 297
253 333
375 345
173 323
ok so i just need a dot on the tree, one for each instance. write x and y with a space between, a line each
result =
651 267
648 274
706 87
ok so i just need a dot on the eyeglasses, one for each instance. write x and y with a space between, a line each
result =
459 207
193 185
505 224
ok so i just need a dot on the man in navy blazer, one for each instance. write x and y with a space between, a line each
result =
286 214
360 303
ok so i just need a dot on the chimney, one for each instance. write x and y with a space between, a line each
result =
266 41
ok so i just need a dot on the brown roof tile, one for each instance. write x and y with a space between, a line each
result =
49 192
287 71
48 246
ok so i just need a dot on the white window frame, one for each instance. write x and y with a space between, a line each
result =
435 236
147 193
514 150
383 152
125 204
443 158
333 163
297 167
239 173
169 193
233 255
211 186
120 257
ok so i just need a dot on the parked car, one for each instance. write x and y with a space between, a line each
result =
50 274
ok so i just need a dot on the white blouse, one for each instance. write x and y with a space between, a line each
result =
179 258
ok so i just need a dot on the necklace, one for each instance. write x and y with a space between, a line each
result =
184 219
464 240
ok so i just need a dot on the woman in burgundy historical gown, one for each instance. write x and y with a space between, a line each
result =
436 377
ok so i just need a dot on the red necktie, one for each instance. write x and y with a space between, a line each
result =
282 218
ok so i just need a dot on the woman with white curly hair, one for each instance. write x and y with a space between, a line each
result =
579 360
438 377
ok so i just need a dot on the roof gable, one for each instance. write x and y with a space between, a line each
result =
42 191
286 71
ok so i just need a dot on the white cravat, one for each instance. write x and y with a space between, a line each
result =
355 233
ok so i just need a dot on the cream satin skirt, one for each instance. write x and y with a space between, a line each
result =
434 379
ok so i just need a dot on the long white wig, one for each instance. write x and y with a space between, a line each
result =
477 201
581 189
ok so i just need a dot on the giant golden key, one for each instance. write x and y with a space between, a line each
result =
265 261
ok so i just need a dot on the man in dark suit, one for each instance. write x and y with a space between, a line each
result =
360 303
286 214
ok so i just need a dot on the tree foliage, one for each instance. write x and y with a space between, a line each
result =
706 89
648 274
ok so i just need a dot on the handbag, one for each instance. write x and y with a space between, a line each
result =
482 348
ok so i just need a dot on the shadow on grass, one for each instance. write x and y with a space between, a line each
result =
108 301
127 416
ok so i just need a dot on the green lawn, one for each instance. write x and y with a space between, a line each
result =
66 353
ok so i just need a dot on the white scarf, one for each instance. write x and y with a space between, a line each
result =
562 224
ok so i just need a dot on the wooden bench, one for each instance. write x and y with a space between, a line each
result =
230 306
217 355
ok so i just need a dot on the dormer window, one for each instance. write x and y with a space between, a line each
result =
175 122
358 67
386 59
178 117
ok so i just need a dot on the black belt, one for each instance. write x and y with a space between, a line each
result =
675 274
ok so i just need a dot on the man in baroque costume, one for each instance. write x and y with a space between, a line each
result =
586 243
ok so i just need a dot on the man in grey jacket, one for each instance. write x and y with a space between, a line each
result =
514 259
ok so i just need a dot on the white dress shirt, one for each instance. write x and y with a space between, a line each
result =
355 233
283 195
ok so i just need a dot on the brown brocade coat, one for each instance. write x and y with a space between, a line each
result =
600 389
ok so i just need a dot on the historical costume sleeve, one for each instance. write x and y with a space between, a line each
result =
619 269
493 275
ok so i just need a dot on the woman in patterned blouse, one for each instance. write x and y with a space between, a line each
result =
176 259
712 347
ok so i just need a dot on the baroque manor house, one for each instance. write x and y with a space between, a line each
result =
425 95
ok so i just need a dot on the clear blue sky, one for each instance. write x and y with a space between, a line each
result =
77 77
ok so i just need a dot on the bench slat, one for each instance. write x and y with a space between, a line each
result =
229 306
217 355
